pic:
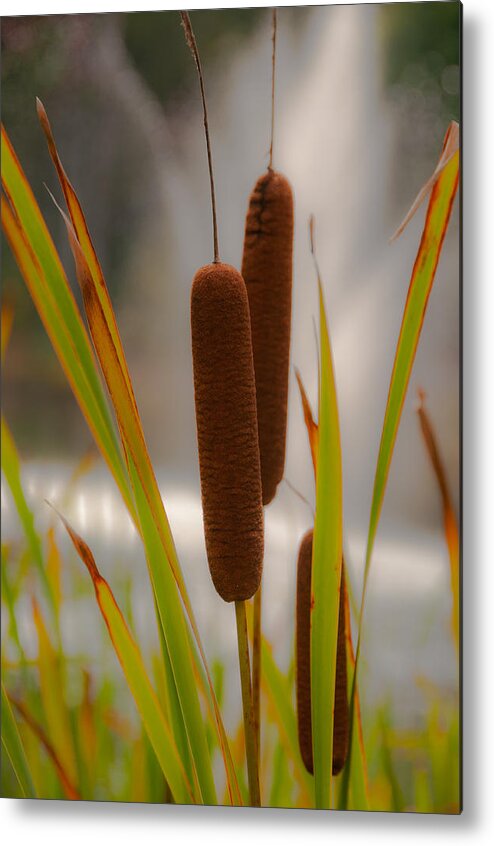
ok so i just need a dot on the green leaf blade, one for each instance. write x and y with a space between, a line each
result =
12 472
436 224
326 572
14 749
279 693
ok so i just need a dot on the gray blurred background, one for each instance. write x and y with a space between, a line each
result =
364 96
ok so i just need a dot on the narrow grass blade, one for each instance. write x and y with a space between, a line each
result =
174 711
311 425
122 399
87 736
52 689
358 787
326 571
8 597
281 790
449 517
84 238
175 632
12 471
107 344
6 329
422 792
14 749
47 284
69 788
134 670
354 791
238 753
424 270
388 765
280 699
450 148
436 224
54 568
31 222
207 688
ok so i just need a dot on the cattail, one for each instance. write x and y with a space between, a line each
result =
226 414
267 271
229 461
341 717
341 725
227 430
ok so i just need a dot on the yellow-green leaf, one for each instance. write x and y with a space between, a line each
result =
326 571
6 330
450 522
38 261
356 792
130 659
424 270
14 749
12 471
310 424
38 730
52 689
84 238
444 186
280 699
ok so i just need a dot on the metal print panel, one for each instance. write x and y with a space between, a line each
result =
231 407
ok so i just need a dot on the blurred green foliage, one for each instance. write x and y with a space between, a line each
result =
419 40
422 48
157 47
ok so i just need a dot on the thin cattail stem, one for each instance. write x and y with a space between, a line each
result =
273 68
256 668
191 41
249 728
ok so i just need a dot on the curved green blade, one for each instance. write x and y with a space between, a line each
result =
326 571
14 749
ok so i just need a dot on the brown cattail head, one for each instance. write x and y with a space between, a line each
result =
267 270
226 417
341 714
304 570
341 718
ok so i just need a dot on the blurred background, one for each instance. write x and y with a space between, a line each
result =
364 96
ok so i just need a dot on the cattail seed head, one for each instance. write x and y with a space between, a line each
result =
304 569
226 414
267 271
341 717
226 417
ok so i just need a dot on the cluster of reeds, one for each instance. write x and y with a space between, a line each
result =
240 327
